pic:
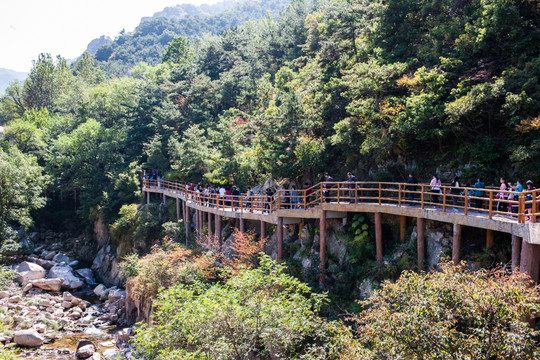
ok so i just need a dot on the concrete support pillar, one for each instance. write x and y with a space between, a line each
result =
237 223
242 225
218 228
263 229
402 227
516 251
421 243
164 198
201 220
378 237
186 220
148 197
456 244
530 260
489 238
280 238
177 209
322 244
209 225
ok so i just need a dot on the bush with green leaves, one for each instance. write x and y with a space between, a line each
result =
6 278
452 314
21 189
261 313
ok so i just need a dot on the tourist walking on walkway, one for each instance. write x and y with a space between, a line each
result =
268 199
502 195
235 194
326 193
528 199
294 198
351 179
455 190
479 193
435 188
515 196
411 180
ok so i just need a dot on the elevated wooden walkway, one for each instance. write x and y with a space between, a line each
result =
515 214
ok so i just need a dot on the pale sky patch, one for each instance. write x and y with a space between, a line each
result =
65 27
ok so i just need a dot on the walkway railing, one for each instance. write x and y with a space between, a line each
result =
494 204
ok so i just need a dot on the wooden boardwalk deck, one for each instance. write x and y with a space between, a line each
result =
515 214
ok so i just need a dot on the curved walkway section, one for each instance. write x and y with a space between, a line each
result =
504 211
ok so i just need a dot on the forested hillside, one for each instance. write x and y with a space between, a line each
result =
376 87
149 40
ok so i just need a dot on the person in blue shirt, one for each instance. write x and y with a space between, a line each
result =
479 193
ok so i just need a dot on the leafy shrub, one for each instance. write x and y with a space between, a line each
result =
164 267
452 314
261 313
6 278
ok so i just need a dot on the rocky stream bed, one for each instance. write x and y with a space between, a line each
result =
55 309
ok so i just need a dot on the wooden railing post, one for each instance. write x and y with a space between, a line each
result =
399 194
466 202
534 208
444 199
380 193
422 197
241 204
491 204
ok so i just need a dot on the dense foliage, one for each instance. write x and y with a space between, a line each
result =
150 39
259 314
452 314
21 187
376 87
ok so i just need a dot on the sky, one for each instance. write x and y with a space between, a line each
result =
65 27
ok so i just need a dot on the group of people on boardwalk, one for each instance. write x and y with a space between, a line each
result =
456 194
507 197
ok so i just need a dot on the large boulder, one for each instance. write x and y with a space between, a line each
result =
107 268
85 349
87 275
100 290
27 271
71 282
46 264
29 337
61 258
48 284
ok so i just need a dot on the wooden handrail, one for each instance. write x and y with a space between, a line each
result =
382 193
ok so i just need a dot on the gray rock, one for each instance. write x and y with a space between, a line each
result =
48 255
99 290
111 353
85 349
27 287
60 258
87 275
4 294
71 282
46 264
116 294
67 296
48 284
74 263
29 337
27 271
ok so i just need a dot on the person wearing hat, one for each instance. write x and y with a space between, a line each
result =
528 199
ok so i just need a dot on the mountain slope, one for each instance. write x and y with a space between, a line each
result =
149 40
7 76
